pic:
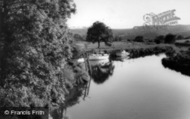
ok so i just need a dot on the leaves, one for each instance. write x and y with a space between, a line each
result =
35 50
99 32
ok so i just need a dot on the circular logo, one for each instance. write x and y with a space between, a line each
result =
6 112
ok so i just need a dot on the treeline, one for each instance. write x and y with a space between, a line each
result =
168 39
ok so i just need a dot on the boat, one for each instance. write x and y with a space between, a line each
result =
119 55
80 60
122 54
99 57
99 62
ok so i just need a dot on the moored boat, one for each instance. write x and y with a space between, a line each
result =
80 60
99 57
122 54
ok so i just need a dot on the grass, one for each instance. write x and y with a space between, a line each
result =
136 49
121 45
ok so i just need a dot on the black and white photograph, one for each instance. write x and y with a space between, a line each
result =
94 59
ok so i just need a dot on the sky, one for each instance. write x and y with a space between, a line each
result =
121 14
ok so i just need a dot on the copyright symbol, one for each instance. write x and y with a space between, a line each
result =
6 112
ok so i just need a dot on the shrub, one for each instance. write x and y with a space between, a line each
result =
170 38
159 39
138 39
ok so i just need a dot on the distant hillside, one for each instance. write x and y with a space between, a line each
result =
146 31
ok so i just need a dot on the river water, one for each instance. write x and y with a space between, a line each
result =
137 89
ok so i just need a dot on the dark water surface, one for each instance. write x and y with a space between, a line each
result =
138 89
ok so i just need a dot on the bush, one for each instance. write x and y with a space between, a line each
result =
138 39
159 39
78 37
117 38
170 38
179 37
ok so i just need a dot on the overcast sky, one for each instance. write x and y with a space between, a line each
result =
125 13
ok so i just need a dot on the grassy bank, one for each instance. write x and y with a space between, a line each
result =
121 45
136 49
141 52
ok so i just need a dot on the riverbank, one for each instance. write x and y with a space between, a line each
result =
121 45
134 48
141 52
178 61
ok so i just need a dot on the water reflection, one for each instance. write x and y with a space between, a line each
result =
71 99
101 71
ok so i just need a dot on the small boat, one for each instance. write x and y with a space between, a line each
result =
99 57
80 60
122 54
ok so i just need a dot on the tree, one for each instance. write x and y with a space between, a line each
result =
35 51
78 37
159 39
179 37
170 38
117 38
139 39
99 32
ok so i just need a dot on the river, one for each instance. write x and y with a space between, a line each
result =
137 89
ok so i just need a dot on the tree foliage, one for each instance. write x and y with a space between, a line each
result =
35 50
159 39
139 38
179 37
99 32
117 38
170 38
